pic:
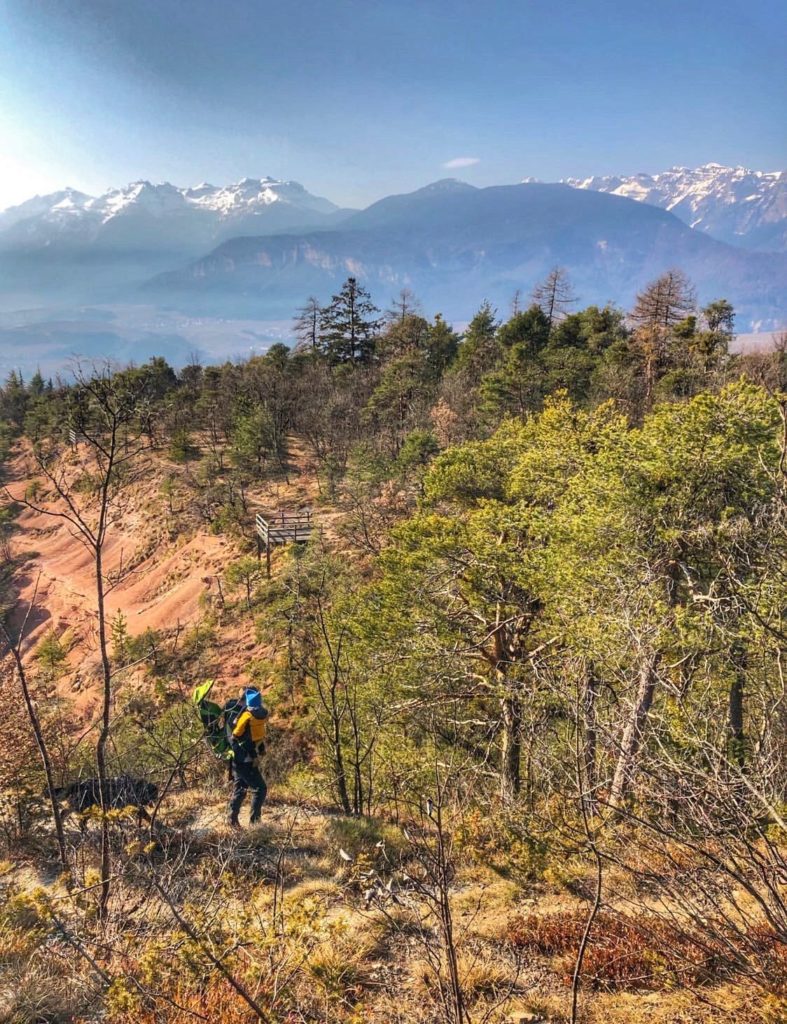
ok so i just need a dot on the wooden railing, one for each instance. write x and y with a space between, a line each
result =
282 528
285 527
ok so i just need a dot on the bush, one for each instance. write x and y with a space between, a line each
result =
51 651
181 448
500 842
623 954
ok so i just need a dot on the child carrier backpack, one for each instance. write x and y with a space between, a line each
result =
213 717
231 712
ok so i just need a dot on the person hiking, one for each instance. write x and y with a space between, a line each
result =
246 735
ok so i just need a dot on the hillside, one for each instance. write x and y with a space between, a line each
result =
169 567
340 894
524 744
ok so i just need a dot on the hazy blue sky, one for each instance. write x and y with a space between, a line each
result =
360 99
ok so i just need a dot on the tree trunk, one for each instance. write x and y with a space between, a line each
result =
511 754
103 737
338 756
589 698
632 734
43 750
736 702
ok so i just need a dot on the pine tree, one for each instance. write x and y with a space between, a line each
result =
13 399
349 326
479 349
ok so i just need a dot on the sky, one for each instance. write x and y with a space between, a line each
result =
357 99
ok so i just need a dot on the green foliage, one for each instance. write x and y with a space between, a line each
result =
348 325
418 448
252 441
120 639
51 652
478 350
246 573
181 448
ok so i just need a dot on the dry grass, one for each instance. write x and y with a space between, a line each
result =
646 953
483 904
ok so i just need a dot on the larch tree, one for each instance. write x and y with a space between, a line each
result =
404 305
554 295
658 310
307 324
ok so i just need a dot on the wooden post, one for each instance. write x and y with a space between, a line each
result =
268 555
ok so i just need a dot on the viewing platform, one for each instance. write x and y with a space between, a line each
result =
282 527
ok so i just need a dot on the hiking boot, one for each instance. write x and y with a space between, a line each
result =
233 822
255 818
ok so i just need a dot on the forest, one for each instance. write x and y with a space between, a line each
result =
527 744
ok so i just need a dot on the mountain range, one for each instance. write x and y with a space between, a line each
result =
258 248
455 245
732 204
142 214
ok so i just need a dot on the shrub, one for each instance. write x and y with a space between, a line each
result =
181 448
622 954
500 842
51 651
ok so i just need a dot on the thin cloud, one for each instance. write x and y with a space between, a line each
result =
461 161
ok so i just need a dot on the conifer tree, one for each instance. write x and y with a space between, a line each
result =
403 306
349 325
479 348
658 311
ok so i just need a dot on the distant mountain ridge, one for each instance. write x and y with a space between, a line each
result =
257 249
456 245
733 204
162 215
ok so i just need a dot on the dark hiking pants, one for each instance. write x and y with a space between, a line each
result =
246 775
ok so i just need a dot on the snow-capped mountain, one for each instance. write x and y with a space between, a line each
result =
143 214
733 204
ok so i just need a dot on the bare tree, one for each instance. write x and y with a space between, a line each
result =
13 646
665 301
404 305
555 295
307 324
108 414
657 310
631 739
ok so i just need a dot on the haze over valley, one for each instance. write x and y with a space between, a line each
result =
218 271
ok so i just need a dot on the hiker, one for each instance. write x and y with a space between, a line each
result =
245 725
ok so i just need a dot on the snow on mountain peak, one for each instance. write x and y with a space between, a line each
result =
249 195
142 213
733 204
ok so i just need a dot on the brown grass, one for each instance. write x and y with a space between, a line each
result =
647 953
